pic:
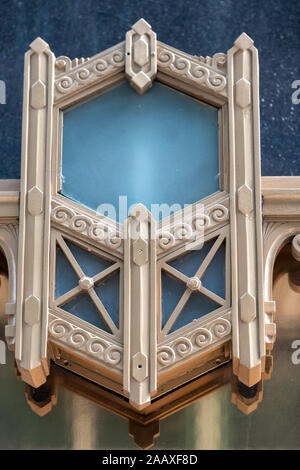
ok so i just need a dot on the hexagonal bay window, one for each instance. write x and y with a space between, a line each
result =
140 233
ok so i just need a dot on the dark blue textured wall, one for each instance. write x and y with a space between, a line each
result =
81 28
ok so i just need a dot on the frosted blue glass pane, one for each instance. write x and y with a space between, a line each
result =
108 292
214 276
161 147
196 307
89 263
65 279
172 291
83 307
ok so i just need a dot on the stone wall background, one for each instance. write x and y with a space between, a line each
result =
83 28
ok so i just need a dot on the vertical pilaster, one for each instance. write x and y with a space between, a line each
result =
140 307
246 216
34 222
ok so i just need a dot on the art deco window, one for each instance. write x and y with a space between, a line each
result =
140 263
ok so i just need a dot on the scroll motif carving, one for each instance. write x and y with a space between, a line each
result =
64 64
191 69
79 339
141 63
75 74
88 227
198 339
92 70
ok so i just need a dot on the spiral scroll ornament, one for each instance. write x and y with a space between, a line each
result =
187 231
87 343
85 225
193 70
195 341
86 71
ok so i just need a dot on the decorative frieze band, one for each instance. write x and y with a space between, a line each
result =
82 340
95 69
198 339
64 64
190 68
171 236
208 72
88 227
194 226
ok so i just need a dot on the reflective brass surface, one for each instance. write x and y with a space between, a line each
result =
213 422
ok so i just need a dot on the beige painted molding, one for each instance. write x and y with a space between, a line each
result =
34 221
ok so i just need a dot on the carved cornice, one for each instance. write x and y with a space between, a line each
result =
74 75
170 235
80 339
197 71
198 339
64 64
86 72
9 205
281 194
218 61
281 197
